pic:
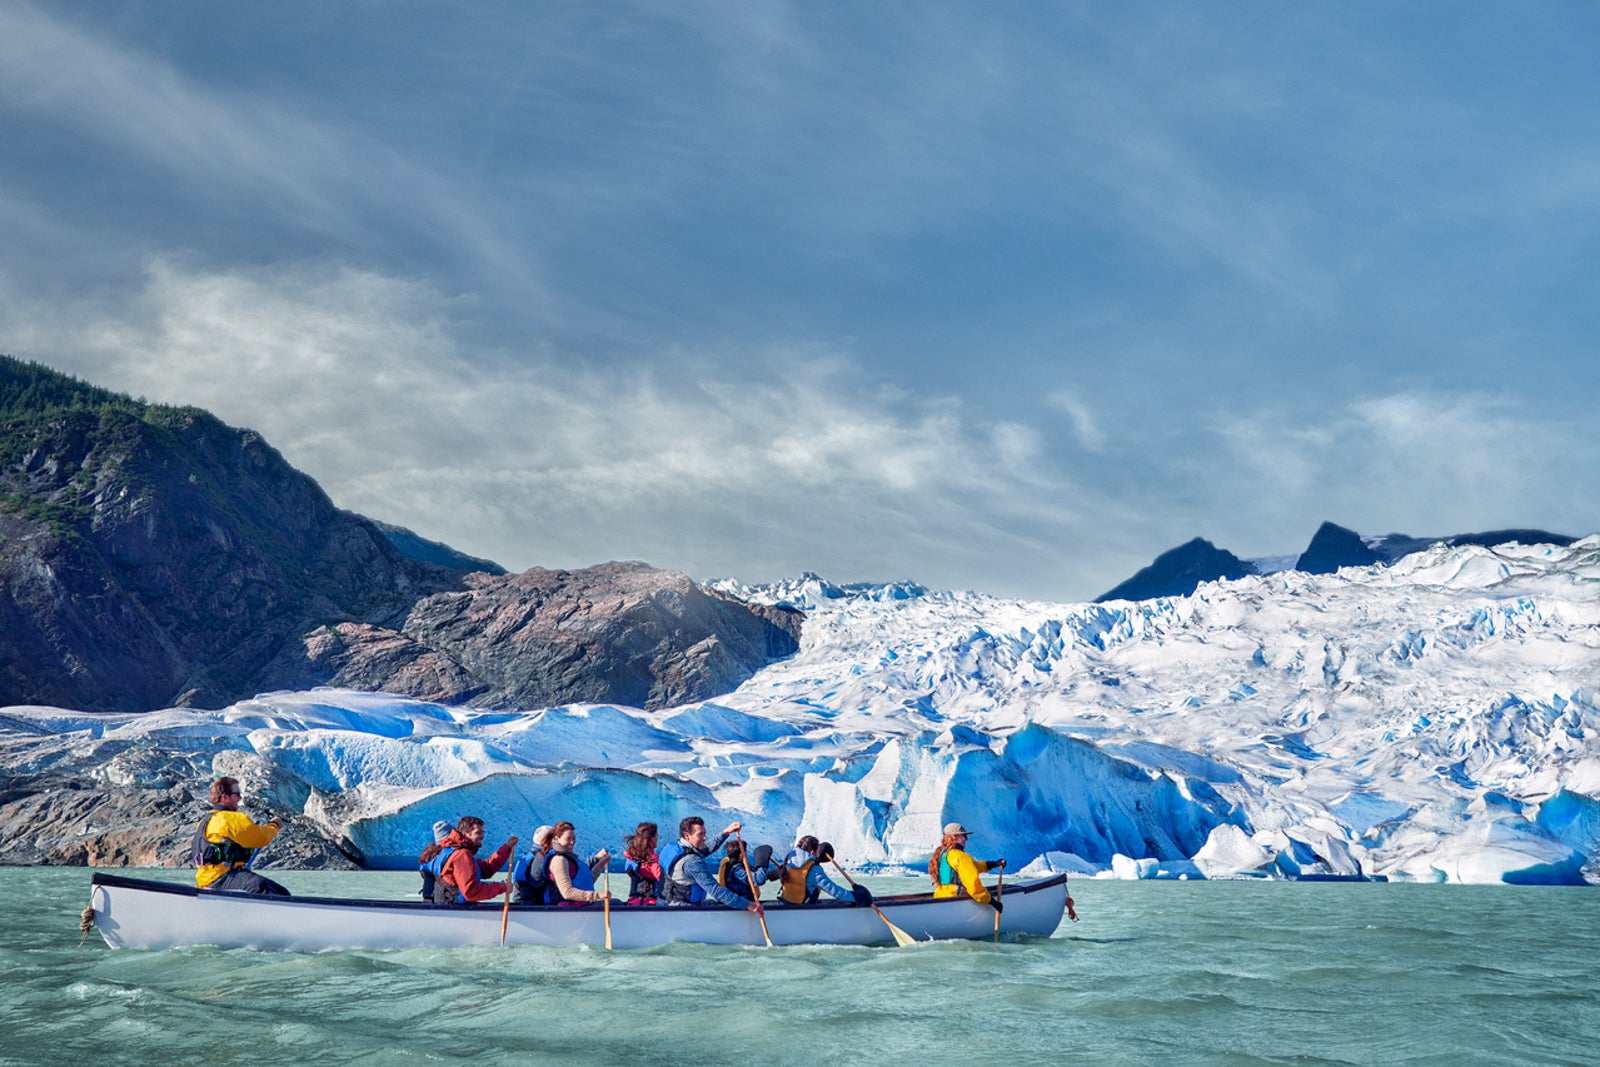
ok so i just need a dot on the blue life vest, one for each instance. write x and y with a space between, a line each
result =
442 892
673 892
530 879
582 877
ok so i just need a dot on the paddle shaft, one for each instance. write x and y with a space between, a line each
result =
901 938
606 902
505 909
999 891
755 894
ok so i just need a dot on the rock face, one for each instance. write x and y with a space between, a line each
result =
126 803
620 633
154 557
1333 547
1179 571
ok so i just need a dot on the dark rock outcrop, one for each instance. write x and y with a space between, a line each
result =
416 547
1333 547
621 633
1179 571
158 557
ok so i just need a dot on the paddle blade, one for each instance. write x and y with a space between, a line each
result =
901 938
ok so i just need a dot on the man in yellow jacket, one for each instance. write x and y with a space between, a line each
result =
954 873
224 842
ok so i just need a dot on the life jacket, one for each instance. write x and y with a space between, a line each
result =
582 877
530 878
947 874
731 877
641 884
429 880
203 853
444 892
673 891
794 880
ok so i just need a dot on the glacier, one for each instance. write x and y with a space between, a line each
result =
1431 720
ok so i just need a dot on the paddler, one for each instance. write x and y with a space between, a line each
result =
461 877
225 841
684 876
955 874
803 880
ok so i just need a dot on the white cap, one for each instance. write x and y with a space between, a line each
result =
541 835
441 830
955 828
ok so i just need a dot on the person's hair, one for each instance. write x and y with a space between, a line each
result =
689 824
223 787
556 831
735 849
945 844
808 843
641 841
464 826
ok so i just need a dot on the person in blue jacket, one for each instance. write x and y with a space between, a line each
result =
685 877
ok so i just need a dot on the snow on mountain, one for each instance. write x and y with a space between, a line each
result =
1432 720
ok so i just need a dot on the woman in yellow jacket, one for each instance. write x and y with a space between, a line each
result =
225 841
954 873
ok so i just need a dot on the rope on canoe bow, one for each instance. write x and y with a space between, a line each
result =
86 923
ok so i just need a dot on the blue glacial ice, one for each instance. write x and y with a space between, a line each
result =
1435 720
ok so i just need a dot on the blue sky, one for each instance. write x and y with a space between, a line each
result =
1005 298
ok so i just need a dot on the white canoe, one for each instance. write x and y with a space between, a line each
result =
138 913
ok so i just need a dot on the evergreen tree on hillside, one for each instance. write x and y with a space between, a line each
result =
33 389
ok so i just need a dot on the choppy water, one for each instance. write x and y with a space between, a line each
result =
1168 972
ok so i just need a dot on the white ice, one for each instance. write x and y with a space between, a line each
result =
1432 720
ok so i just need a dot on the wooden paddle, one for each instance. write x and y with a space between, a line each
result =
999 891
606 901
901 938
505 909
755 894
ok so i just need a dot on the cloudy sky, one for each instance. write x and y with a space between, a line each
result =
1008 299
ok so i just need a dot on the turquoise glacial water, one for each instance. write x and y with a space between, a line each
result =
1157 973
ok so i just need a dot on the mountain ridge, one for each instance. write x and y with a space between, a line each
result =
1180 571
151 556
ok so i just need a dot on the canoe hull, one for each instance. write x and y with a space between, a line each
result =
136 913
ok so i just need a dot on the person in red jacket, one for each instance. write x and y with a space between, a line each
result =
462 878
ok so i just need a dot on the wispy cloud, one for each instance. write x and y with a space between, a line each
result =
1085 427
532 458
214 148
1418 462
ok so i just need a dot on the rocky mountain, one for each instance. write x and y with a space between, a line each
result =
414 546
1333 547
1179 571
152 557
